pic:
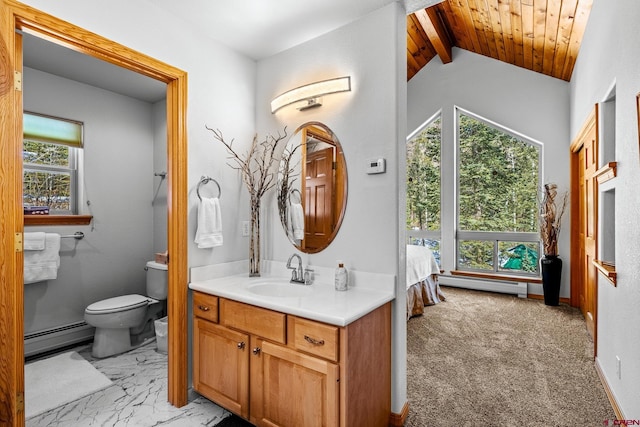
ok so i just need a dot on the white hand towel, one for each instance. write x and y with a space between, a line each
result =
209 228
34 241
43 265
297 221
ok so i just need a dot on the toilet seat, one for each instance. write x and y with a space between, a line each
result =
118 304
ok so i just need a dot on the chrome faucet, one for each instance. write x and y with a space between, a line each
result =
297 275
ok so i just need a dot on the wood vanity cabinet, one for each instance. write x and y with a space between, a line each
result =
276 369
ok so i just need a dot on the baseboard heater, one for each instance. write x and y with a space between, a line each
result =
58 337
502 286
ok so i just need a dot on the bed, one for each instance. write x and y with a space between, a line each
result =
422 280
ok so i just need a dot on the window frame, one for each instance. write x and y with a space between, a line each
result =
74 169
428 234
492 236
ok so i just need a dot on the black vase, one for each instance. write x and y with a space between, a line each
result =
551 273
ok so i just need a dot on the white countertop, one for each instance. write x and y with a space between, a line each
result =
319 301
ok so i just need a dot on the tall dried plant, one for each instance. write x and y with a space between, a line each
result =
256 169
287 176
550 218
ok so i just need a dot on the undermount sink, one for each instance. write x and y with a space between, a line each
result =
279 289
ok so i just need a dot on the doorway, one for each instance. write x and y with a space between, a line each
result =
16 16
584 223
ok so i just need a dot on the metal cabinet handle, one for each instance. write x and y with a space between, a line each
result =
257 351
310 340
241 345
204 308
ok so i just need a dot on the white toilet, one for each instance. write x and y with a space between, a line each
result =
125 322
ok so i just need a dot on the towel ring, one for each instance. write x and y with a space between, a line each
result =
205 180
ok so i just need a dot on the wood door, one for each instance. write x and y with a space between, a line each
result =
221 365
318 209
291 389
590 208
585 214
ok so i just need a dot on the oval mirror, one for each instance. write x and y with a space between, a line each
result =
312 187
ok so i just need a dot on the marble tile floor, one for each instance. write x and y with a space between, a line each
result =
137 398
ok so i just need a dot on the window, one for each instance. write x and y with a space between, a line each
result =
498 181
423 185
50 165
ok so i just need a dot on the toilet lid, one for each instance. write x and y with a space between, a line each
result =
121 303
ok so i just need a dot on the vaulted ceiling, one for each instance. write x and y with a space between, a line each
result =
539 35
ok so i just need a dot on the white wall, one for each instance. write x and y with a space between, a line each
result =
609 52
529 103
220 94
159 200
369 122
118 154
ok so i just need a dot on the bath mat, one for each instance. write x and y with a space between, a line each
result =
58 380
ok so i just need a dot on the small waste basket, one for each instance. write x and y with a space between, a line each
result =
161 326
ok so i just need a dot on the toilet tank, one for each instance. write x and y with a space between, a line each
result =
157 283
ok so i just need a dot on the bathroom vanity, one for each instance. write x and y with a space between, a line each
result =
281 354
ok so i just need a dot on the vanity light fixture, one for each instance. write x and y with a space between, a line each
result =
311 93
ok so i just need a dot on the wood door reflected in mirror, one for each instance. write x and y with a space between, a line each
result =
312 187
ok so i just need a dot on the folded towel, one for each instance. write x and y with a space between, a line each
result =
43 264
209 228
297 221
34 241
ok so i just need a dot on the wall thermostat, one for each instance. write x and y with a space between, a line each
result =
376 166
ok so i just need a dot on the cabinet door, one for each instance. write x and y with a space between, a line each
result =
291 389
221 365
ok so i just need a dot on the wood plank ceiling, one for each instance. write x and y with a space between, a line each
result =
539 35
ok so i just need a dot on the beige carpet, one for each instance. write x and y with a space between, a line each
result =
485 359
58 380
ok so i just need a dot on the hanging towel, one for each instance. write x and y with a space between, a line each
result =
297 221
209 228
34 241
43 264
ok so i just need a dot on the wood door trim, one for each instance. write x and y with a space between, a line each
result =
577 262
15 15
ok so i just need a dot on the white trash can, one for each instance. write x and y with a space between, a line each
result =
161 326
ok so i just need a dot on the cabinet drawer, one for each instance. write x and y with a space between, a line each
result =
254 320
205 306
314 338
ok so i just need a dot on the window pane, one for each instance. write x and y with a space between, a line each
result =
423 178
41 153
498 179
475 254
52 189
518 257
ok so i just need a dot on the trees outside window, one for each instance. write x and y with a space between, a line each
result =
423 186
498 181
50 164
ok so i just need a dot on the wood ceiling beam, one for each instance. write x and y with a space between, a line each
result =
437 34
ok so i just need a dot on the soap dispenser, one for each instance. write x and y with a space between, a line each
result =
342 277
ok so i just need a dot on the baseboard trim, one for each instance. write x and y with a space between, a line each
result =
562 299
398 420
609 392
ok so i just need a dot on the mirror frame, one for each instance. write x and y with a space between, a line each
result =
282 196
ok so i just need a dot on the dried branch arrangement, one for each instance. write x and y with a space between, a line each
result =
287 178
255 167
550 218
